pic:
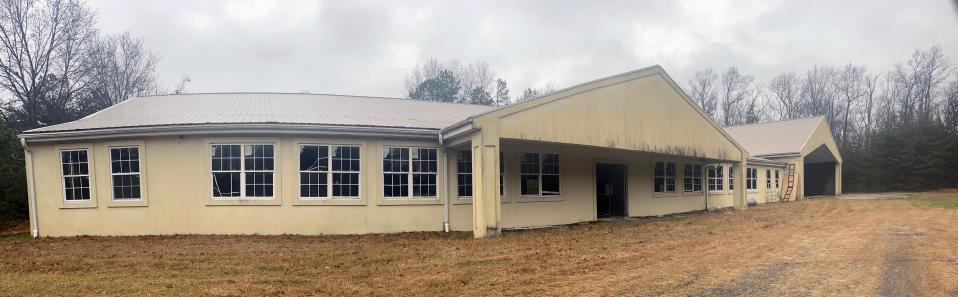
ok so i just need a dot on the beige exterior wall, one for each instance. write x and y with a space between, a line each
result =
178 198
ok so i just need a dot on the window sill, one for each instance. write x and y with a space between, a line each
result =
331 201
468 200
411 201
539 198
718 192
693 194
665 194
127 203
77 205
244 202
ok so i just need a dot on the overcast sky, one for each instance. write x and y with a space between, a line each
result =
369 47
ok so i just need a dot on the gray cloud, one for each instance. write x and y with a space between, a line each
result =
368 47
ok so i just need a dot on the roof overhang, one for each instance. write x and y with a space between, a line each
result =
766 162
232 129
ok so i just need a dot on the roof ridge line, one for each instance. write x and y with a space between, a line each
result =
776 121
311 94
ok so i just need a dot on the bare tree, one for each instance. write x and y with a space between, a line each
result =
868 107
784 96
950 116
123 68
475 80
703 91
735 89
42 59
849 83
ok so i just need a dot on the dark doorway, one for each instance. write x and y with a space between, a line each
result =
819 179
610 190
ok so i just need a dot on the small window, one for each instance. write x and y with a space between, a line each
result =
125 172
409 172
777 184
664 177
768 178
76 175
242 171
751 178
464 173
325 169
693 178
715 180
539 174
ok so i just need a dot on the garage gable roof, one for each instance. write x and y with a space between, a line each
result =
775 138
271 108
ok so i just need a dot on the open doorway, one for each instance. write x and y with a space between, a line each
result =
819 172
610 190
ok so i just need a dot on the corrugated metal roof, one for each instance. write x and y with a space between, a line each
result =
771 138
269 108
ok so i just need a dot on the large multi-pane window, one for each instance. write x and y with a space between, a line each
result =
75 167
751 178
242 171
409 172
664 177
716 181
692 179
329 171
464 173
539 174
125 172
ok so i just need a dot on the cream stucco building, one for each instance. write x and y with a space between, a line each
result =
264 163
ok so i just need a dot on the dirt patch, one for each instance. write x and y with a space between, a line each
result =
816 247
900 266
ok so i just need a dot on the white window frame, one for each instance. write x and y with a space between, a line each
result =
460 173
697 176
242 173
410 192
665 177
719 180
751 183
64 176
540 174
329 172
778 185
731 179
139 172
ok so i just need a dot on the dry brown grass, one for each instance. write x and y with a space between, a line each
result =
820 247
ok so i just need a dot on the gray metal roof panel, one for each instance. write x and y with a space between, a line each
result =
278 108
773 138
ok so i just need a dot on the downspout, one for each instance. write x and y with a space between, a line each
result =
445 183
32 194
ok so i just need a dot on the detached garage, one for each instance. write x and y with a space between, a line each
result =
805 144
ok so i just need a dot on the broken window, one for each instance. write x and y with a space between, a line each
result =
125 172
539 174
400 164
693 178
76 175
242 170
715 178
664 177
325 169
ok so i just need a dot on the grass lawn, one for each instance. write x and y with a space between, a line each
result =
941 199
816 247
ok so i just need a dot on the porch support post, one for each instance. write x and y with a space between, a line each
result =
485 183
738 198
838 178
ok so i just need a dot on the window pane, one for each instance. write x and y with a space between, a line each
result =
550 185
424 185
258 157
395 160
226 184
423 160
259 184
345 184
395 185
550 164
529 184
312 185
529 164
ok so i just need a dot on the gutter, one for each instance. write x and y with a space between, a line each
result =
144 131
31 189
445 183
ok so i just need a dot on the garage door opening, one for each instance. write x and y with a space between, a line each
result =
820 172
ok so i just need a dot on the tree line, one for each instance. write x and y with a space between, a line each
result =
56 67
474 83
897 128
